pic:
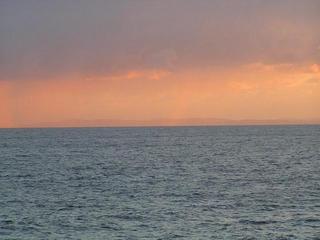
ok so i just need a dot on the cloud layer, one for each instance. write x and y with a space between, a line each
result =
50 39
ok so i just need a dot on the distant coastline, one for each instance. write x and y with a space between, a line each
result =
183 122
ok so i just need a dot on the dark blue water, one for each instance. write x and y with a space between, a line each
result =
160 183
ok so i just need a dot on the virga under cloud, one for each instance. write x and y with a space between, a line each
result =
52 38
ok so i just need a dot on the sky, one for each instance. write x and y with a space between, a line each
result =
111 62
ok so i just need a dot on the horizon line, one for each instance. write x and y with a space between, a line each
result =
144 124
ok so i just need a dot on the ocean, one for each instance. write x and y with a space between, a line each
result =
226 182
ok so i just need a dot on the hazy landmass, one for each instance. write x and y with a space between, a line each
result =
172 122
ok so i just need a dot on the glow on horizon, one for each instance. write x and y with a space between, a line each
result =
280 93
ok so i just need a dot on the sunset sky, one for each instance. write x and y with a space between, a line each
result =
79 63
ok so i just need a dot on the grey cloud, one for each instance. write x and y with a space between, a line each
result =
42 38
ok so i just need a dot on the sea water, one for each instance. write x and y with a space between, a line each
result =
248 182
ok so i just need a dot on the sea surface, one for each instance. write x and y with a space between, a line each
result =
248 182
